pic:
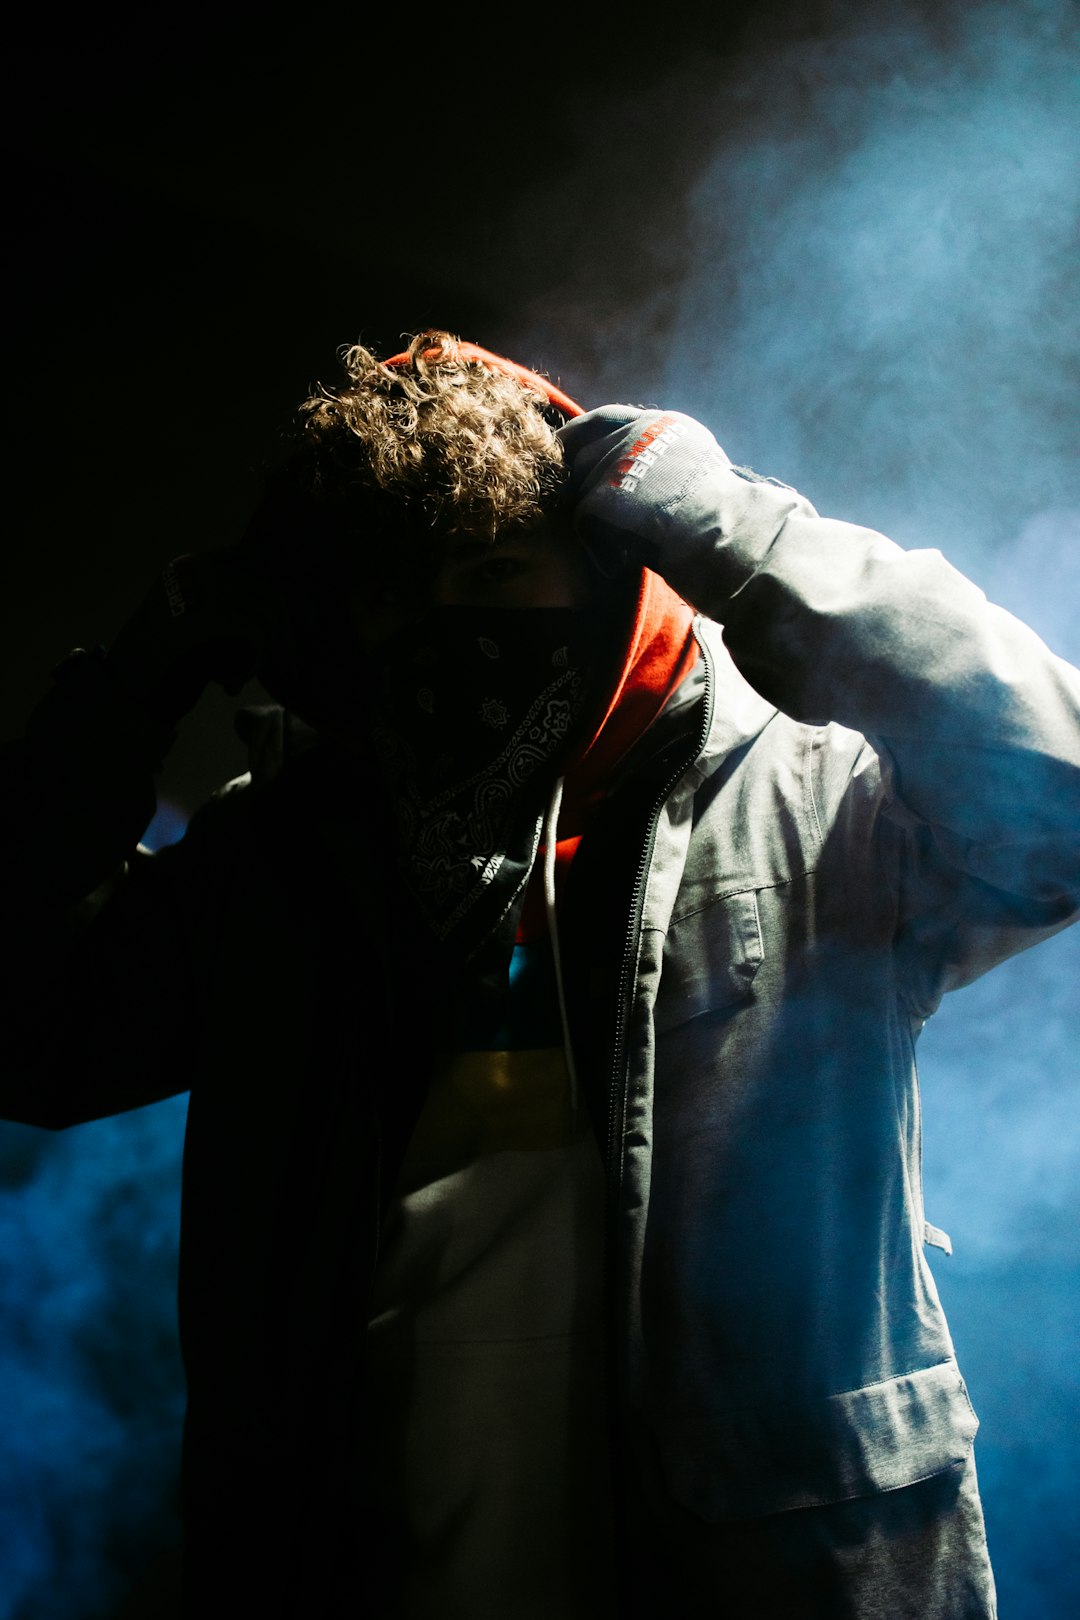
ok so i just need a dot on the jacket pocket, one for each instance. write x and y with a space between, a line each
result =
710 959
855 1443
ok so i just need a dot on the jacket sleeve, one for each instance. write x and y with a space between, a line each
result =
101 1008
974 722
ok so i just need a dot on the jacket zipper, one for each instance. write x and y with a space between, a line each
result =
620 1064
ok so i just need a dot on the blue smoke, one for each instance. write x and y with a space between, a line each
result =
91 1386
868 288
899 340
850 248
894 330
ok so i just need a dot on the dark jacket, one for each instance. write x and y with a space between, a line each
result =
805 856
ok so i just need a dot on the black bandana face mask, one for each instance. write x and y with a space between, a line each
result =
473 710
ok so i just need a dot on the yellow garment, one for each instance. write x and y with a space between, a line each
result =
490 1102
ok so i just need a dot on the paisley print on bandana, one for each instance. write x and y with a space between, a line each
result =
473 711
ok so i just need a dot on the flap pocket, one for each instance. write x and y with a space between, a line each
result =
710 959
863 1441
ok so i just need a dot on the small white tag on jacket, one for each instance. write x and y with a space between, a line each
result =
936 1237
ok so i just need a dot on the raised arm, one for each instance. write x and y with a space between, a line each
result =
832 622
98 1001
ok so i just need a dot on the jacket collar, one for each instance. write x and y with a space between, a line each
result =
738 713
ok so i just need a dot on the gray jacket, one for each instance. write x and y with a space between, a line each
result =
888 808
869 794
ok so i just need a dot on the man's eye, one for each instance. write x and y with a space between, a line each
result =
497 570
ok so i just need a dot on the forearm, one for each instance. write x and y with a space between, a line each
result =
106 941
107 944
835 623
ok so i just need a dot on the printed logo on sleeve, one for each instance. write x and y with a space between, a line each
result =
646 451
174 593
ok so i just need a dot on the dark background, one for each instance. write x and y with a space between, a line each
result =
843 235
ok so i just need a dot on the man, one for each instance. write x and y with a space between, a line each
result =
547 995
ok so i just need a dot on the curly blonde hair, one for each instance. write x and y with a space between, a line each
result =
458 447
